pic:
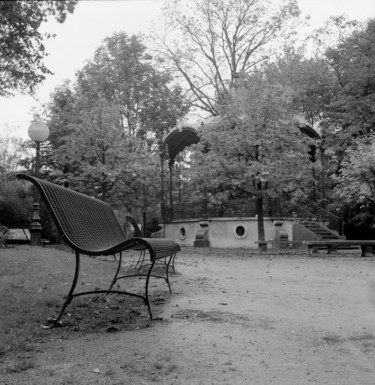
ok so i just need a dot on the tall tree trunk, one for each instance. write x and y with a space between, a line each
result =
259 208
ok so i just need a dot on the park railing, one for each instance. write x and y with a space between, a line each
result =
204 209
272 207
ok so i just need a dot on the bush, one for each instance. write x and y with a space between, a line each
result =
3 233
15 203
16 207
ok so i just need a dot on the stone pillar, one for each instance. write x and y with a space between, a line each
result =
201 237
280 235
35 227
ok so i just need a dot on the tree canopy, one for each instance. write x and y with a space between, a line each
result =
257 151
21 43
353 64
210 44
107 127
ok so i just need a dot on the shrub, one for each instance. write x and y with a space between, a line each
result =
15 203
3 233
16 207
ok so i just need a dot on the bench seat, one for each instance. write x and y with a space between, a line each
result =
89 226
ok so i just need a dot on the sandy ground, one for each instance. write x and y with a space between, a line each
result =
235 318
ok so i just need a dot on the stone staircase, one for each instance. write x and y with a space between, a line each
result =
322 231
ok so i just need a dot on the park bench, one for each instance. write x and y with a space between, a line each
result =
334 244
89 226
17 235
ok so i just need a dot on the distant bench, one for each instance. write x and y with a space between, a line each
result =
334 244
20 235
89 226
17 235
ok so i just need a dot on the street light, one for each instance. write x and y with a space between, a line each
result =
38 132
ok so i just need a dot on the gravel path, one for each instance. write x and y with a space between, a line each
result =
234 318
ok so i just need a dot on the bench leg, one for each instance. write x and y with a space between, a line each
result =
172 264
147 299
71 291
117 271
366 251
262 246
312 250
141 260
331 248
170 259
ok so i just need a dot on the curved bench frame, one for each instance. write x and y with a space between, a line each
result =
142 256
89 226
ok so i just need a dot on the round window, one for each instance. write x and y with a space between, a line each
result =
240 232
182 233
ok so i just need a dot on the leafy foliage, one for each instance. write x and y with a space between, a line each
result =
107 128
122 73
258 146
312 81
351 114
11 152
356 180
15 203
257 150
21 43
3 234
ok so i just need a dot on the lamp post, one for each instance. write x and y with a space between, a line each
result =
38 132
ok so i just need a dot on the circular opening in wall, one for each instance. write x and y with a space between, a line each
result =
182 233
240 232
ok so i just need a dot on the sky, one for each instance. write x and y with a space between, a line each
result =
93 20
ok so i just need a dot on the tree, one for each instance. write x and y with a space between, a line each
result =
351 114
354 191
11 151
257 151
313 87
105 130
61 113
356 180
210 44
122 73
21 43
96 154
312 82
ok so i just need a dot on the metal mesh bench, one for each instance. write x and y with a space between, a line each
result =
89 226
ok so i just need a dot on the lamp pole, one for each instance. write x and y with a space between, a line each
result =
38 132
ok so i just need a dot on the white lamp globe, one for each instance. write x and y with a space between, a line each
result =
38 131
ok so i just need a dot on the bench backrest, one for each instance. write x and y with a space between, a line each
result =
133 222
88 225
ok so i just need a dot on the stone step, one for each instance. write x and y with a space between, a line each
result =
319 230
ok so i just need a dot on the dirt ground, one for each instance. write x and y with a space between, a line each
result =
234 317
